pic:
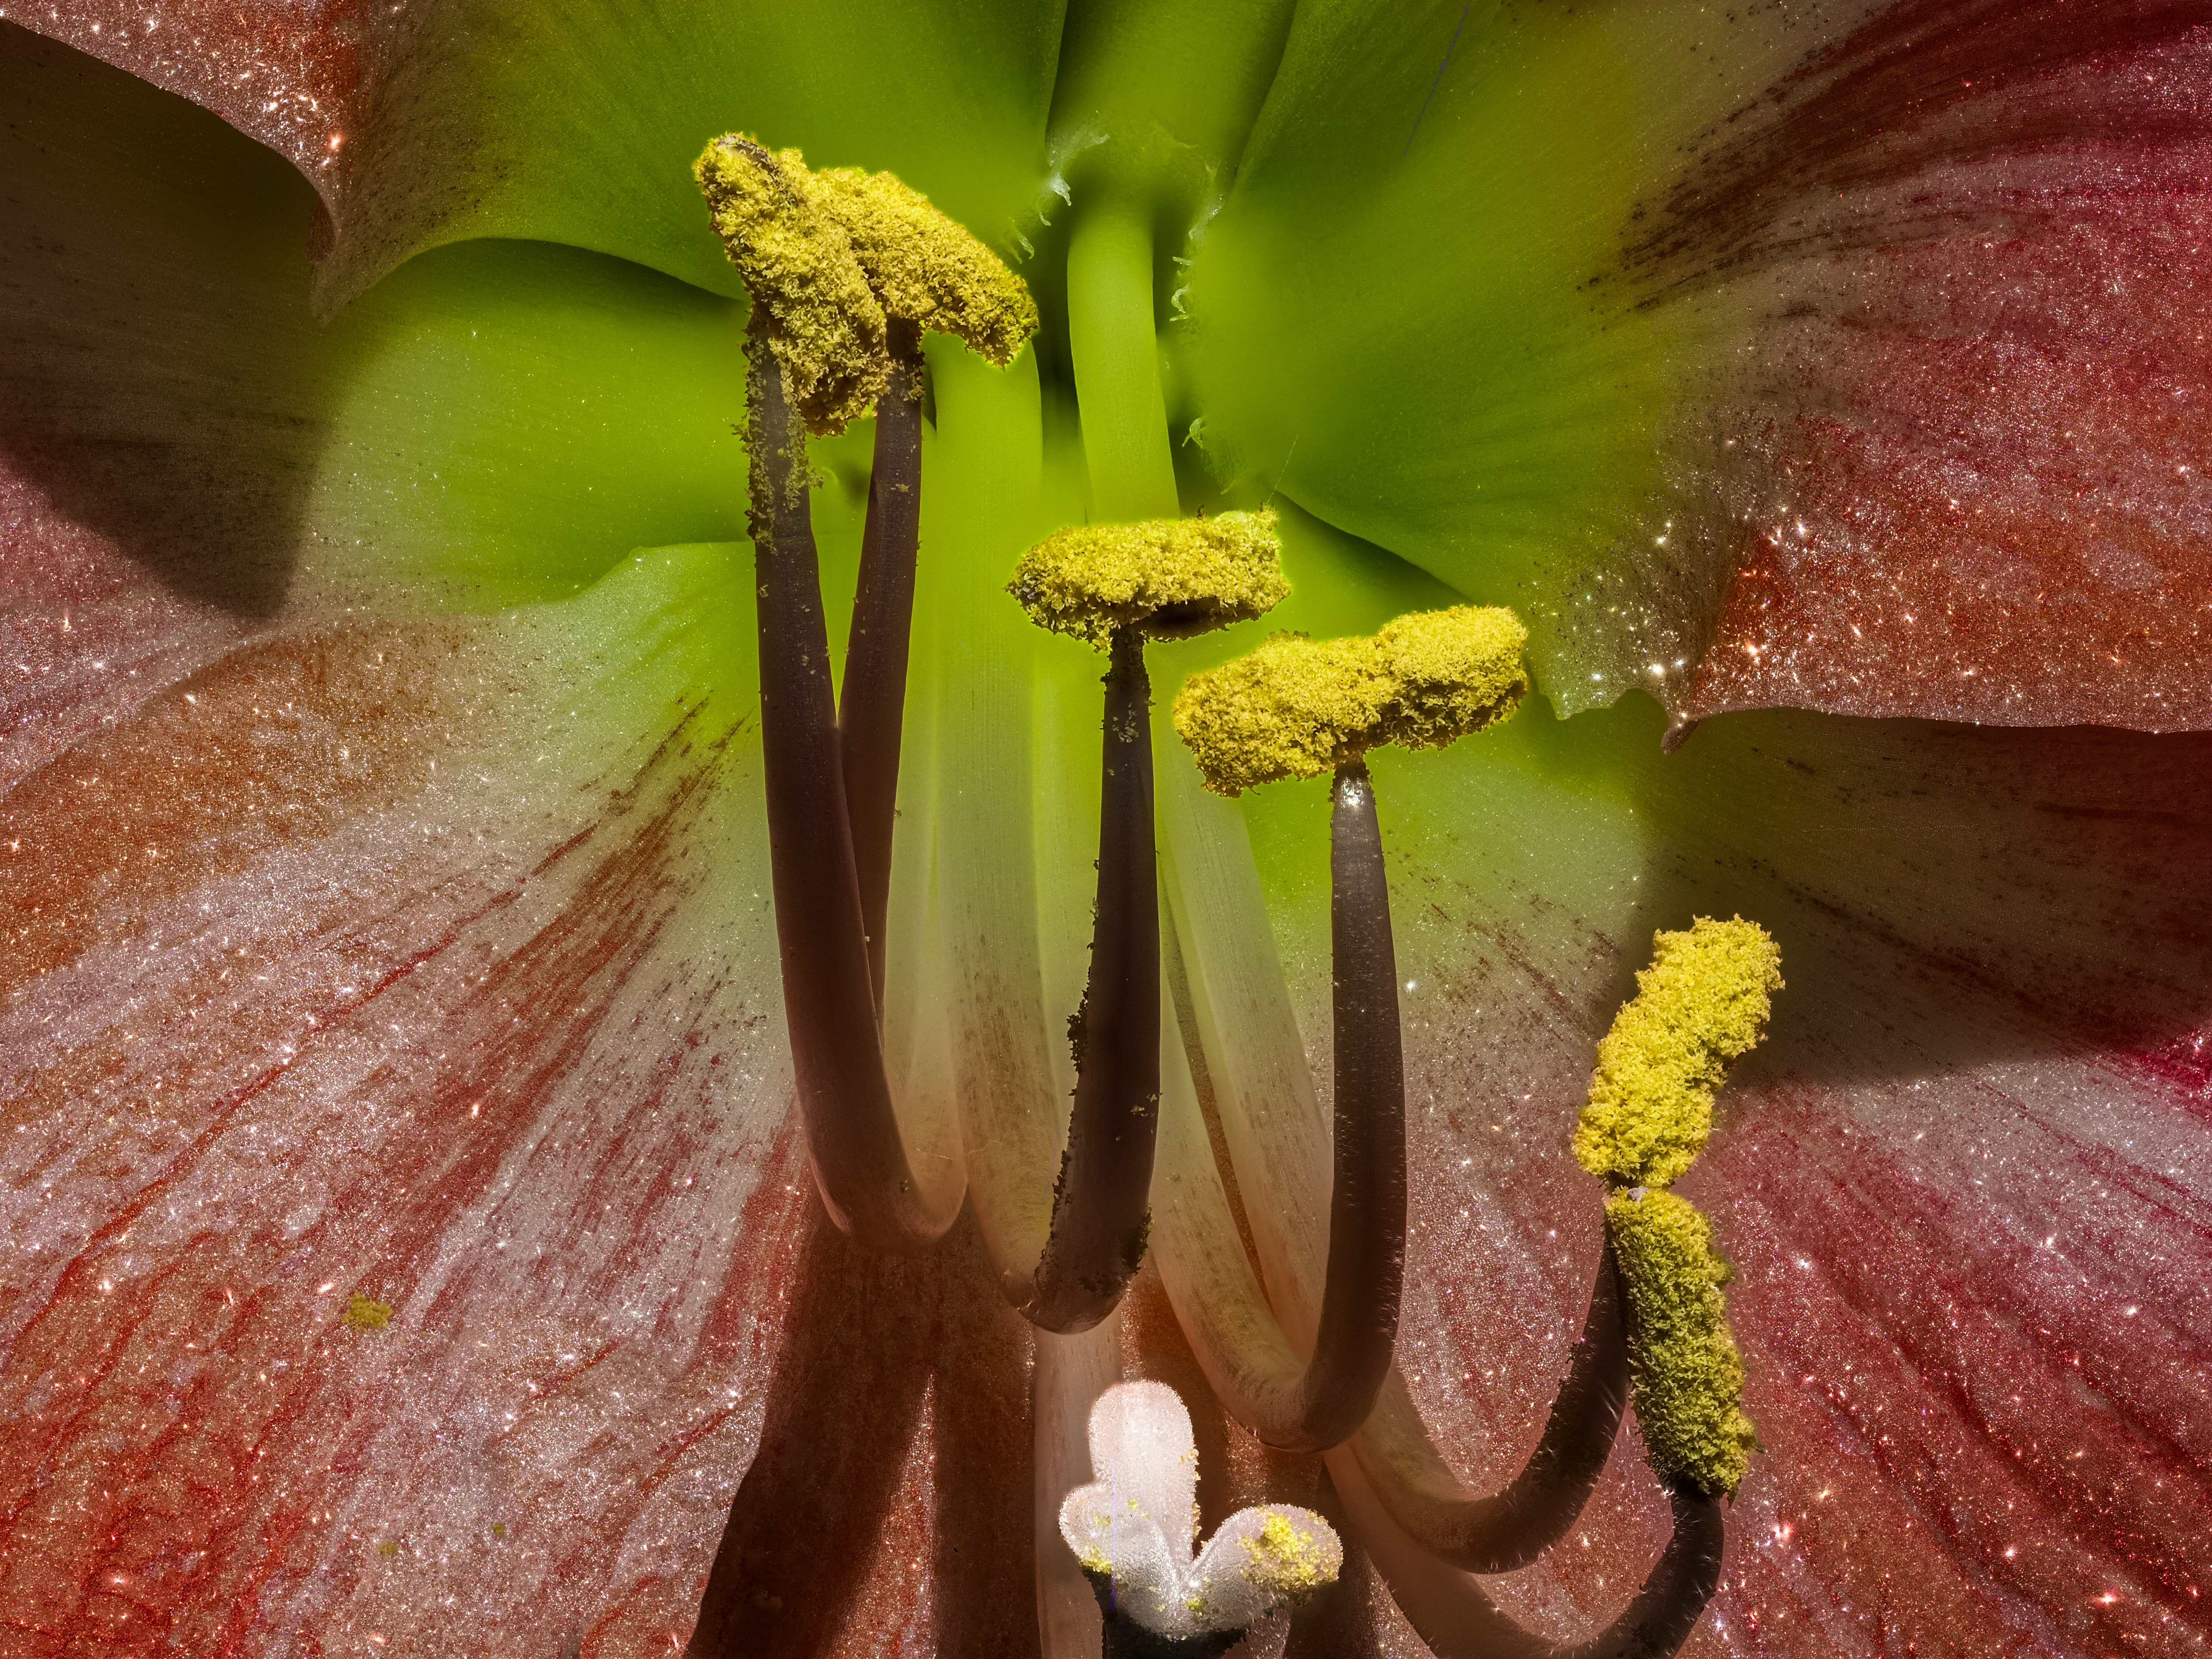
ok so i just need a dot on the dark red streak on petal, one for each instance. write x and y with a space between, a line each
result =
1965 477
187 790
1954 1415
230 1485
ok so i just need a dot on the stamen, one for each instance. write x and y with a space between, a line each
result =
1673 1593
1367 1197
1703 1002
1298 707
1099 584
929 274
872 703
819 343
869 1185
926 266
826 326
1166 577
1684 1370
1425 679
1100 1207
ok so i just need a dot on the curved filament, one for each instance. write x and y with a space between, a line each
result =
1232 1000
832 796
1508 1528
1312 1403
1367 1195
870 1184
872 707
1455 1618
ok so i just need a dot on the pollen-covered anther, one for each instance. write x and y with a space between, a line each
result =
1298 707
1166 577
827 327
925 266
1686 1374
1703 1002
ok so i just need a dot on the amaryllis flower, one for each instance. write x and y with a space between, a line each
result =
410 1246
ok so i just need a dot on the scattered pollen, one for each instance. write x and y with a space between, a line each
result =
363 1314
1298 708
1167 578
1686 1374
1703 1002
1286 1557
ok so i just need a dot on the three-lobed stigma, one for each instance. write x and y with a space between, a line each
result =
1166 577
1298 707
1703 1002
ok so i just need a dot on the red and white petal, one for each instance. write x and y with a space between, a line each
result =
392 961
1963 1182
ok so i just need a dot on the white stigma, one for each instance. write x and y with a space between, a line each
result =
1136 1524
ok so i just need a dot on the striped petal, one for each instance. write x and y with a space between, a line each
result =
1839 357
1963 1184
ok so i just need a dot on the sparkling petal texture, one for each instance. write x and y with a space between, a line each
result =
282 941
1962 1184
290 889
366 949
1821 356
1976 419
285 72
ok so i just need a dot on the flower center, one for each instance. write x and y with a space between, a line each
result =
849 269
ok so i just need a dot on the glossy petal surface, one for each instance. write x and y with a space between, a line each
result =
428 124
1822 356
1965 1170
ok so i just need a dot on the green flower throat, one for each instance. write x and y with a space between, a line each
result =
849 271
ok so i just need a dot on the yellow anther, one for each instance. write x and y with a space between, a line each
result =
1686 1374
797 261
1702 1002
1167 578
925 266
1298 708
